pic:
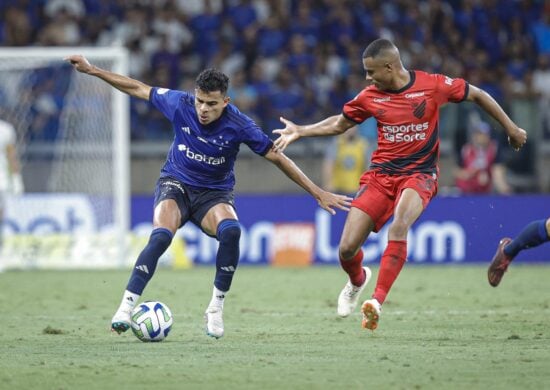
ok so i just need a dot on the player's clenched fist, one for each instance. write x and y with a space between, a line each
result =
517 139
80 63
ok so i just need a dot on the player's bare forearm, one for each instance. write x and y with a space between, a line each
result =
333 125
517 136
325 199
490 105
123 83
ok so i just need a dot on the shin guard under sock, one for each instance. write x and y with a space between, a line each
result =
390 265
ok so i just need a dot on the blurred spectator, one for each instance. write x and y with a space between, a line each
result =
478 158
345 161
17 29
519 169
541 31
242 94
70 7
541 84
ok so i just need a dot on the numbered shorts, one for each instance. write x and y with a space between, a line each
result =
379 193
193 202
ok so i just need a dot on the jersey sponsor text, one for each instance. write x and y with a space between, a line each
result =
201 157
405 133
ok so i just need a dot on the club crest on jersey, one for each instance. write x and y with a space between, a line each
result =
419 109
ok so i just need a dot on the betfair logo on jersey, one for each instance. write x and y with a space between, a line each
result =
200 157
405 133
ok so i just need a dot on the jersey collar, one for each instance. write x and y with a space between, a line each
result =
412 75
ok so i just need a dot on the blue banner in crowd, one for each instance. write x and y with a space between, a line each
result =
452 230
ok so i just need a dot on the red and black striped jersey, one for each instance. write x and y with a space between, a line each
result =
407 121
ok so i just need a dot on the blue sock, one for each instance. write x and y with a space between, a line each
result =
532 235
227 258
147 260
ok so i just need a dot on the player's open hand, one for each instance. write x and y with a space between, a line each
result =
286 136
517 139
80 63
329 201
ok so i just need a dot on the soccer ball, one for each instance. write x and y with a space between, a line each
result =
151 321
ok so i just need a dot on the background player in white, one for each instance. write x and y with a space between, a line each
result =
197 179
11 181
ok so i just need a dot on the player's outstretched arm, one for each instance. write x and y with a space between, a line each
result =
122 83
516 135
333 125
326 200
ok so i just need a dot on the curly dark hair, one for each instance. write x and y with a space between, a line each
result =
210 80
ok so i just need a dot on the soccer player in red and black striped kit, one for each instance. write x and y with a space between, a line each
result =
402 178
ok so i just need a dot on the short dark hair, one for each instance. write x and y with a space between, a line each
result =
375 47
210 80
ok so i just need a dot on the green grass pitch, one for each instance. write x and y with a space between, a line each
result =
441 328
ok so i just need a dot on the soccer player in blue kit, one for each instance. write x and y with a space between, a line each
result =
196 182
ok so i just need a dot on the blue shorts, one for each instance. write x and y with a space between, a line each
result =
193 202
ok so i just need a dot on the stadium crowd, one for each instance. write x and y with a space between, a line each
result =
300 58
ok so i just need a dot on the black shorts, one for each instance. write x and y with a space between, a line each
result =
193 202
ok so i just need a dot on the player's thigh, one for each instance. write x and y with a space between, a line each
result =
215 215
415 194
356 230
376 200
408 209
167 215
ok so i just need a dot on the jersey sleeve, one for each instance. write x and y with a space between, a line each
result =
355 110
449 89
167 100
257 140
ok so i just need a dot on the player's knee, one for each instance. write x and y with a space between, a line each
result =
398 230
229 232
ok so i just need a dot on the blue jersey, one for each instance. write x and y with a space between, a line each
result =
204 155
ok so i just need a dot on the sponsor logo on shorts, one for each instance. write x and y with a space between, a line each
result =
174 184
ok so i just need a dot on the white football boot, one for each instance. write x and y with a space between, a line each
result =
121 320
214 321
348 298
371 313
